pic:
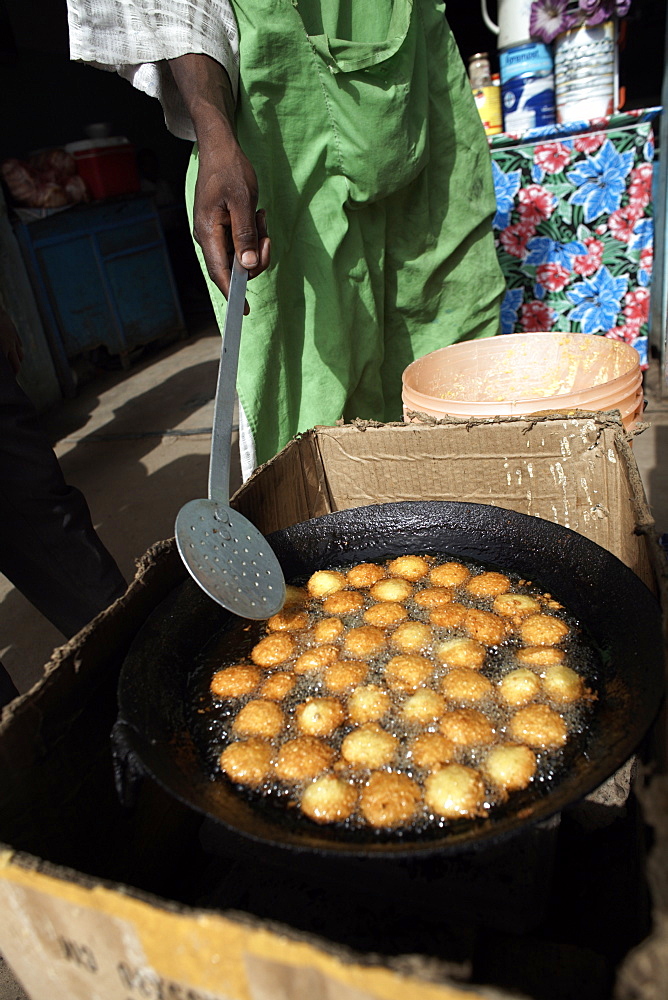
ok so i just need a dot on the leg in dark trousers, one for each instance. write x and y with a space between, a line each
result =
49 548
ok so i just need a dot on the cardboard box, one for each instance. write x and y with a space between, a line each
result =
97 903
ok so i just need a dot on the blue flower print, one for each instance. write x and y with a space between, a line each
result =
600 181
543 250
641 345
597 301
506 187
510 306
643 235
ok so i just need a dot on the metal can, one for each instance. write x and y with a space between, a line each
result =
488 103
527 87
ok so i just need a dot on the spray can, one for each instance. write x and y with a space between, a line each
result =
527 87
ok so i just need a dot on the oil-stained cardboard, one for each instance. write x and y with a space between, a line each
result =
90 908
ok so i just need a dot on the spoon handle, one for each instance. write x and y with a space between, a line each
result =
223 411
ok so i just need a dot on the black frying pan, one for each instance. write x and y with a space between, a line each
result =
154 733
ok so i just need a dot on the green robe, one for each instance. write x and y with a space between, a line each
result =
374 169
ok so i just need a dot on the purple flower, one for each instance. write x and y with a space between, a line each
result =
595 11
548 19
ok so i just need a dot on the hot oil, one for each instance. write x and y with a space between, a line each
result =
214 729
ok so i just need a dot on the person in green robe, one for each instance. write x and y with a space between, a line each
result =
355 133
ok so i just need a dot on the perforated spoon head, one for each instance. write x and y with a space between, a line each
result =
230 559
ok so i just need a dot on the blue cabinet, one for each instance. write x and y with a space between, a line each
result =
102 278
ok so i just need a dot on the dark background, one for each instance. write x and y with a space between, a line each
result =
48 100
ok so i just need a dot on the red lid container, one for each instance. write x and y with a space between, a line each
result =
107 166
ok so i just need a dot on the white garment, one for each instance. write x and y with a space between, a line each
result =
135 37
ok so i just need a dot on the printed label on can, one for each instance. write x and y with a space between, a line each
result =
528 101
534 58
488 103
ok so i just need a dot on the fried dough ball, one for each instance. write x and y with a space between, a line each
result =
433 597
461 653
316 659
562 684
369 746
515 605
327 630
345 674
325 582
543 630
539 726
394 589
364 641
455 791
343 602
273 649
303 757
411 637
278 686
449 574
488 584
368 703
408 567
235 682
431 749
450 616
510 766
464 684
519 687
259 718
423 707
386 614
329 799
389 799
294 595
247 762
365 575
319 716
540 656
467 727
484 626
407 672
288 621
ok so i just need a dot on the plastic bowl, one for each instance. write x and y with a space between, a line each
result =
526 373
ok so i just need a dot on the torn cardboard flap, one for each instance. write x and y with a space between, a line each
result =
566 470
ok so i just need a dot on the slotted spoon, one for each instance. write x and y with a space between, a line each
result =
223 552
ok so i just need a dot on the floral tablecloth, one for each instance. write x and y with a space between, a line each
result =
573 227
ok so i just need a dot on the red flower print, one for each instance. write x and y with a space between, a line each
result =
622 222
536 316
552 156
554 277
640 185
514 238
647 259
536 204
589 263
626 333
589 143
636 308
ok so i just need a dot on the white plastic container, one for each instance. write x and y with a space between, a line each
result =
526 373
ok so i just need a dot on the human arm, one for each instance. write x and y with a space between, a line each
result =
225 219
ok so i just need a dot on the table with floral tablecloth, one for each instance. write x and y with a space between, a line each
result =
573 227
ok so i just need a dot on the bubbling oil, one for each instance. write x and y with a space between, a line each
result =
215 728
